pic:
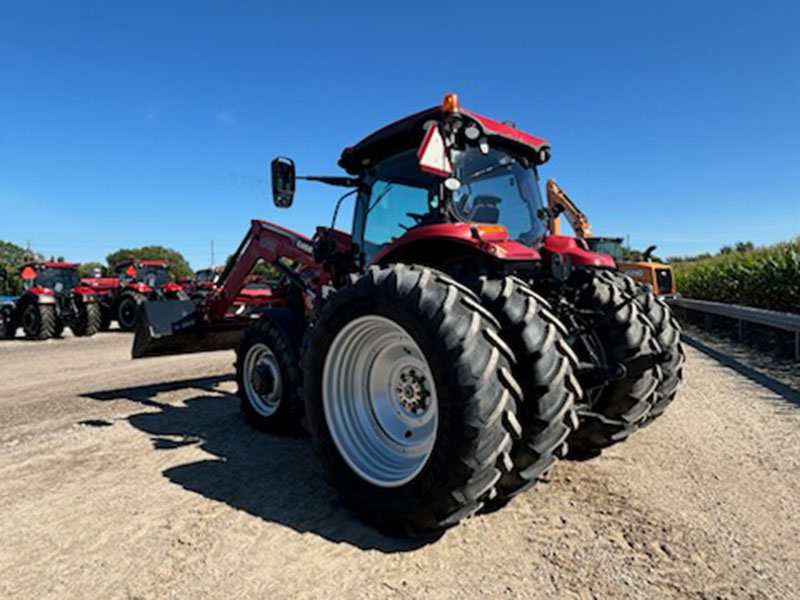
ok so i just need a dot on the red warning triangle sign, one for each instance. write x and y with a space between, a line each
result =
433 155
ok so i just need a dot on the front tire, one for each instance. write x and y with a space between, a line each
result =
8 325
268 377
128 310
410 399
105 317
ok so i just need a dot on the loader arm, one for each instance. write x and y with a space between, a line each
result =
264 241
558 202
181 326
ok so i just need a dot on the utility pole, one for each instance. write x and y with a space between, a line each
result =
212 255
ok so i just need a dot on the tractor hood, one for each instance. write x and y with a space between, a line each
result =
489 239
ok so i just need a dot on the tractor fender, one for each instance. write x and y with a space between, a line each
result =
172 287
289 320
448 243
84 294
572 252
139 287
38 295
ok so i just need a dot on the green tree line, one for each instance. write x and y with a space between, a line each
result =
13 256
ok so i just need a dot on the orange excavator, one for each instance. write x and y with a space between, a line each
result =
657 275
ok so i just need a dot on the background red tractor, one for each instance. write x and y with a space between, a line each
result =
53 299
202 283
450 350
135 282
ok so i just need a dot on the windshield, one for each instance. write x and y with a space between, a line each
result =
58 279
497 187
612 246
397 197
154 277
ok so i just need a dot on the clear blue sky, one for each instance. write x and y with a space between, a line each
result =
132 123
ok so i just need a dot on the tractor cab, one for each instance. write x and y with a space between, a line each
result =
206 278
446 165
60 278
152 273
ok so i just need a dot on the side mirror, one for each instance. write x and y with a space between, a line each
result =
283 179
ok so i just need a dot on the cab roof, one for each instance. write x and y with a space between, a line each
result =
38 264
408 133
142 262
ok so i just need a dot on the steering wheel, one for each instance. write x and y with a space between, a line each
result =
483 201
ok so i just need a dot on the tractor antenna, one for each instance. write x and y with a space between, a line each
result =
212 255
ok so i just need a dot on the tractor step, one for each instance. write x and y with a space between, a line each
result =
174 327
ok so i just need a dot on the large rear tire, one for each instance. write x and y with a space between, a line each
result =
545 370
615 343
129 308
668 334
89 320
268 376
39 321
410 399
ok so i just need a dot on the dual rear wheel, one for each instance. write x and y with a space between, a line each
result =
428 401
412 394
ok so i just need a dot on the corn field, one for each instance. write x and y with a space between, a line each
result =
766 277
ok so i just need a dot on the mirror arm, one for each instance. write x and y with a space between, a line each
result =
338 181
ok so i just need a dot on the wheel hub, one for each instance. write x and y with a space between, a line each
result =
411 391
262 380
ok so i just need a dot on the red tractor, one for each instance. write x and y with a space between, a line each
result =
136 281
202 283
448 351
53 299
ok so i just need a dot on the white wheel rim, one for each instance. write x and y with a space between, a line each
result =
261 363
379 399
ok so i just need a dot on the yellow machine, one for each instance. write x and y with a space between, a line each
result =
657 275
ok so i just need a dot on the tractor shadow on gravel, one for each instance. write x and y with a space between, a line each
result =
276 478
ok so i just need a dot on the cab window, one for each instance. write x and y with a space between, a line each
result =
389 212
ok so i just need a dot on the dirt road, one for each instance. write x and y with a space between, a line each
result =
122 479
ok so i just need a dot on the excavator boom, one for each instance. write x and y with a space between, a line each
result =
558 202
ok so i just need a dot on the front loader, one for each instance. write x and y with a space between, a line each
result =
448 349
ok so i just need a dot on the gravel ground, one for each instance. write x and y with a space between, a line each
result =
139 479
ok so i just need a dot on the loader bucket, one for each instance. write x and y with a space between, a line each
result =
174 327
